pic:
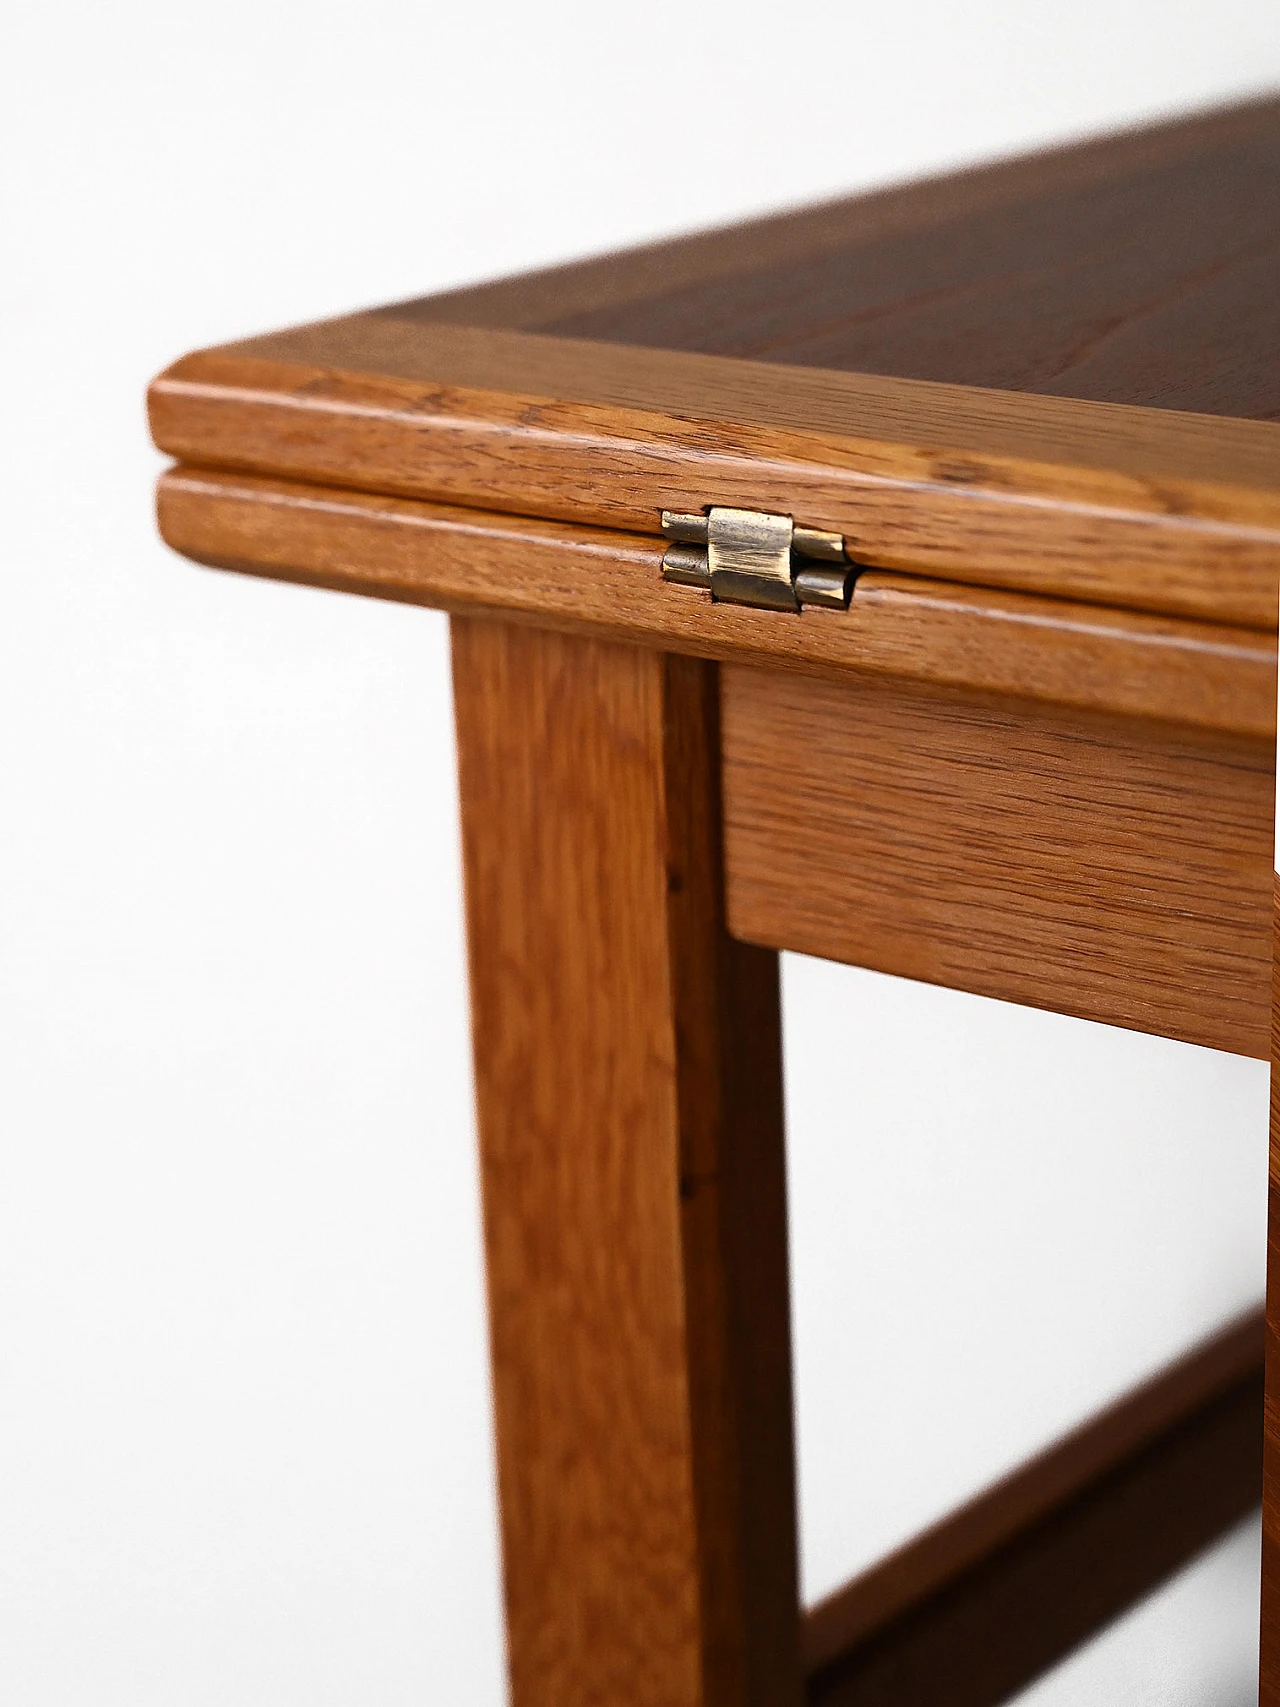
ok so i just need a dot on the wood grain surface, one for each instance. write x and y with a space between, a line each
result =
1048 1483
594 581
1096 867
628 1081
1154 280
1041 402
636 275
1138 267
1140 509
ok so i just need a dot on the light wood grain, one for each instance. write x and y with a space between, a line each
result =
1140 509
628 1082
1094 867
595 581
905 427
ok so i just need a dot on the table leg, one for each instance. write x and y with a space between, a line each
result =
628 1084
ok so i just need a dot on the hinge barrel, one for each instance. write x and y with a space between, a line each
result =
751 557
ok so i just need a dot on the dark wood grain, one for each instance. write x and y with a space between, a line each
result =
628 1082
1091 866
1143 268
609 584
1046 1484
996 1626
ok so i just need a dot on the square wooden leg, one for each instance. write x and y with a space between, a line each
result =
628 1082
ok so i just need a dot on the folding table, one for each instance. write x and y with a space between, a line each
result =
894 581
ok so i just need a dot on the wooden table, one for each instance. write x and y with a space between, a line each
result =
1008 727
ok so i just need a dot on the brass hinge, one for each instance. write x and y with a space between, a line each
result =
745 557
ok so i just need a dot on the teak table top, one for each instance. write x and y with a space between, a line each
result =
1068 380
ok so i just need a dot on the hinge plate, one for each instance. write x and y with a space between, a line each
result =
750 557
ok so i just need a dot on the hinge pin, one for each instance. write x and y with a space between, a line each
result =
688 565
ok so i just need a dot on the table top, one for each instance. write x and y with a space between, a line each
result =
1053 376
1142 268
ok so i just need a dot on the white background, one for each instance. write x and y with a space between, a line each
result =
243 1426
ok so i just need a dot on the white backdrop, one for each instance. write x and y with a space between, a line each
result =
243 1421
